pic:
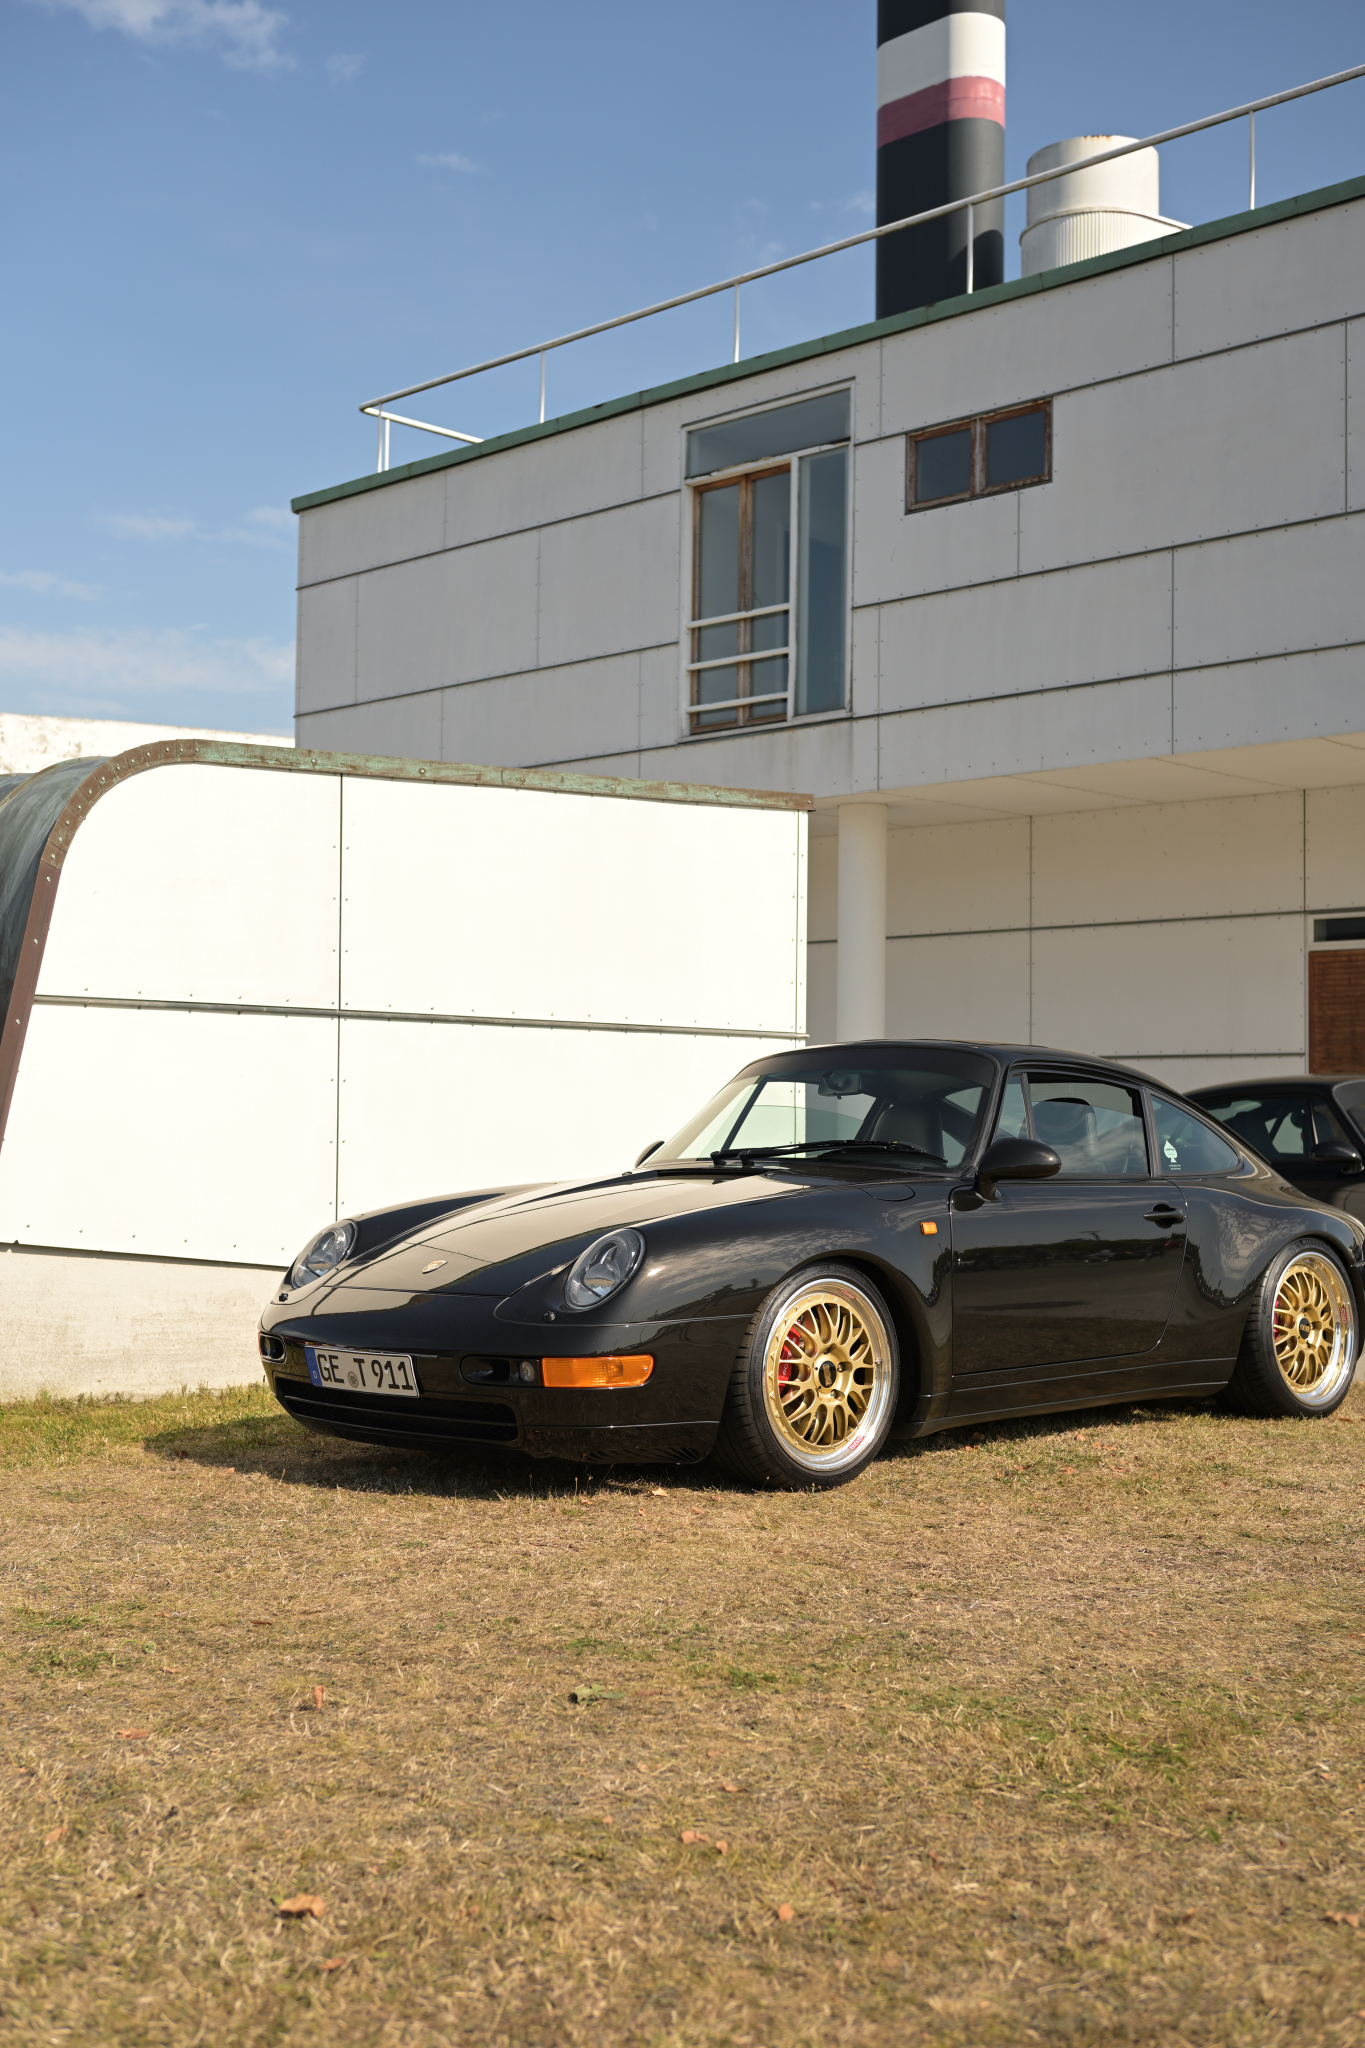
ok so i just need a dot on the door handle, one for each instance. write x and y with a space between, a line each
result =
1168 1218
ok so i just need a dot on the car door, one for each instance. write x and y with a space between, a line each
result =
1080 1266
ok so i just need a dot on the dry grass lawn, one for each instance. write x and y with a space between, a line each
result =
1052 1736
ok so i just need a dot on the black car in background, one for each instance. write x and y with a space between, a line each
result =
847 1241
1310 1126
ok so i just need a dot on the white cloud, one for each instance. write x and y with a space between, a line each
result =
449 161
145 526
346 65
244 32
266 526
862 202
118 671
42 584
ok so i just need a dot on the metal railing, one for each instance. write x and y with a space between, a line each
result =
375 408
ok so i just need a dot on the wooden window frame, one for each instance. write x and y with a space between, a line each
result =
977 424
769 710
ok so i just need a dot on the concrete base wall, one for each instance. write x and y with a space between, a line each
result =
83 1323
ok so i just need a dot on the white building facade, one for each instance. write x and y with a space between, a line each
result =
1051 596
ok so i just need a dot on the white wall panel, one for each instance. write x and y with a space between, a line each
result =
1190 453
1355 413
1018 735
1247 704
1238 856
325 672
1334 850
970 987
1036 633
428 1109
957 878
1296 273
835 753
554 714
609 583
1095 329
1233 987
1270 593
1183 1074
562 476
409 728
387 524
189 881
660 720
172 1133
902 554
448 618
509 903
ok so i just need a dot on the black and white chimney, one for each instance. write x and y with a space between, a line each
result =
940 136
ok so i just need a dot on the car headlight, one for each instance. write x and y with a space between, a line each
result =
603 1267
323 1255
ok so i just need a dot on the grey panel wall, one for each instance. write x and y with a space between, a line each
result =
1190 577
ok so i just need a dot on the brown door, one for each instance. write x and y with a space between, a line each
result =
1336 1012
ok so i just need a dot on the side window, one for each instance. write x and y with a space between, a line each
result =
1185 1144
1278 1126
1095 1127
1013 1119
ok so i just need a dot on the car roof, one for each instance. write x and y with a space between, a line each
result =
1272 1081
1007 1054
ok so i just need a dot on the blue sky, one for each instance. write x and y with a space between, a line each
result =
227 223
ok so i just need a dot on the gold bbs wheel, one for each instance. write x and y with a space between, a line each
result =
828 1377
1313 1329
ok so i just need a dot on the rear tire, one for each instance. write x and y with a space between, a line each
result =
814 1388
1299 1348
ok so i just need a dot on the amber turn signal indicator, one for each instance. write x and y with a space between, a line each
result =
627 1371
929 1229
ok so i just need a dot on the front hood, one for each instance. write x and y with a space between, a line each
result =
498 1246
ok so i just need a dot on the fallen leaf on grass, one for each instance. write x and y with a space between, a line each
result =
585 1695
301 1906
607 1821
721 1848
786 1912
134 1734
334 1963
260 1624
690 1835
53 1835
732 1788
1343 1919
658 1493
318 1697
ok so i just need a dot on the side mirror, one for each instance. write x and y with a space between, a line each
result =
649 1152
1344 1157
1016 1159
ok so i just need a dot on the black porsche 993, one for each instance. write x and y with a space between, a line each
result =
848 1241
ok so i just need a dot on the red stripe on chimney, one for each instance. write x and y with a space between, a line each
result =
956 99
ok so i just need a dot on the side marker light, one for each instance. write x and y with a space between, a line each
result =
631 1371
929 1229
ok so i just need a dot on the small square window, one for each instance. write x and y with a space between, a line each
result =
1016 449
942 466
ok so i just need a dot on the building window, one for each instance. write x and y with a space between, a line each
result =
1001 451
768 618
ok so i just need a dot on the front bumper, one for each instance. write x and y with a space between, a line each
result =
672 1419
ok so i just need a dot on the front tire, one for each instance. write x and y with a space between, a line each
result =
1298 1354
814 1388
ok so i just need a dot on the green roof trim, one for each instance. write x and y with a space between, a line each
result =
853 337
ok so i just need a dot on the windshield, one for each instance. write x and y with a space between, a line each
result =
925 1102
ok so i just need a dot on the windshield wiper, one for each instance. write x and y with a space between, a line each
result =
743 1152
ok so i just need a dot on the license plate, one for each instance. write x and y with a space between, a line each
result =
362 1372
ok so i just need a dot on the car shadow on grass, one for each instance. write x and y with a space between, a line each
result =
273 1446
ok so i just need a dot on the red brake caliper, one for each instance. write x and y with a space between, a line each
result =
791 1352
